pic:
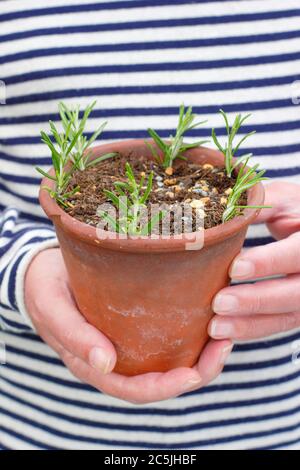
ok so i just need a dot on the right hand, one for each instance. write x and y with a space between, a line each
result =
89 355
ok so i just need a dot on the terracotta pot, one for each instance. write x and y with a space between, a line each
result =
152 298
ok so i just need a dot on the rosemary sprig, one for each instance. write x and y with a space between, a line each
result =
246 179
60 153
130 199
230 149
80 155
175 148
70 150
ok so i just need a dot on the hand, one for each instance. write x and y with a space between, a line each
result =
88 354
250 311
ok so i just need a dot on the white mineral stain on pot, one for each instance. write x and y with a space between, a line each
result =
140 355
135 312
181 315
149 334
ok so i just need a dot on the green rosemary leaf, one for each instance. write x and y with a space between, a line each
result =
226 120
100 159
112 223
113 197
242 141
229 149
148 189
159 142
215 139
96 135
194 145
44 173
154 152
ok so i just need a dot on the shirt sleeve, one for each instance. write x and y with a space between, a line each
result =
20 242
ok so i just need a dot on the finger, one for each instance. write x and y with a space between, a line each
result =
253 326
213 358
284 217
271 199
281 257
66 324
283 197
270 297
139 389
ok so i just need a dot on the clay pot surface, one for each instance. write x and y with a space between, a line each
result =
151 297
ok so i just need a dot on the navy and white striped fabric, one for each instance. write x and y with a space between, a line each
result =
141 59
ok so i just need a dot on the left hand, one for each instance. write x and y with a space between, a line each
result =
267 307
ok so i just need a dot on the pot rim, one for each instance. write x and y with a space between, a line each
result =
86 233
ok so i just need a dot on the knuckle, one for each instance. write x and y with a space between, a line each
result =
86 330
276 185
70 363
290 321
246 328
293 249
68 336
67 358
251 328
72 337
272 261
256 303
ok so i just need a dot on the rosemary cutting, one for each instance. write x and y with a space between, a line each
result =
130 200
175 147
81 153
246 179
60 153
70 150
230 149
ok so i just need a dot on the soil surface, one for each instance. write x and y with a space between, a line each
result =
205 187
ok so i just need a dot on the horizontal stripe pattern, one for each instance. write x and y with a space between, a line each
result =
18 243
141 59
189 418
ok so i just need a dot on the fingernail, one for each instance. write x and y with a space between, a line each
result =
99 360
242 268
225 303
226 353
191 384
221 329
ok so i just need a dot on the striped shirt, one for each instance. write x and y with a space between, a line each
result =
141 59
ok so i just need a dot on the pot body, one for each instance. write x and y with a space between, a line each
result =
151 298
154 307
